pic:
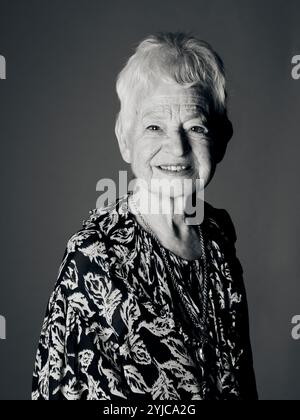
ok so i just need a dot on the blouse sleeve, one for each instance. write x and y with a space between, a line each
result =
77 357
241 331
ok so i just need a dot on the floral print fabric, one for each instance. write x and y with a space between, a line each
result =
116 329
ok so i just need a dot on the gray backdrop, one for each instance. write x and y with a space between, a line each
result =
58 107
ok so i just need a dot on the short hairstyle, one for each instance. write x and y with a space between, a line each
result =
175 58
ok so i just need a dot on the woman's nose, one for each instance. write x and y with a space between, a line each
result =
178 143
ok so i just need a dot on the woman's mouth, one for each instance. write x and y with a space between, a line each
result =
174 169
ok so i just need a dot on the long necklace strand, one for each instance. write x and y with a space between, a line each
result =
196 319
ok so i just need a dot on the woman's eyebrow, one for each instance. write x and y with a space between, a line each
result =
199 113
195 115
200 117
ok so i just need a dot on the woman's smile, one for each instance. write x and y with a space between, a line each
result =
175 170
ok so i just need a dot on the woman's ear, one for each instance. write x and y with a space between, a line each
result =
123 141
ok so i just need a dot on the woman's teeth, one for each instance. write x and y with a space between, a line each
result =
174 168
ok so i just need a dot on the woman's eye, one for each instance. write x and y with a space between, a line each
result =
199 129
153 128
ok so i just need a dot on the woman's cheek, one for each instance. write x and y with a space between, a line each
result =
143 154
203 158
205 166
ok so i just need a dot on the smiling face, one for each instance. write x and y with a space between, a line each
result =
168 138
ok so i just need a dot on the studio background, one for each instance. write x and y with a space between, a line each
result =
57 112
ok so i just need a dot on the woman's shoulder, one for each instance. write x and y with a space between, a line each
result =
88 251
105 219
99 224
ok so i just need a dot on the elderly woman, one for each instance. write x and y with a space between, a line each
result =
148 306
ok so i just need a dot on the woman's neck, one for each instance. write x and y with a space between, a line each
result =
165 215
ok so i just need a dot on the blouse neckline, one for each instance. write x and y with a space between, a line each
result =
183 260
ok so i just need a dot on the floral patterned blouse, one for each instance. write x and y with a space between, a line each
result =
116 329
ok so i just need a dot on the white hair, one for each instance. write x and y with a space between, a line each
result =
171 57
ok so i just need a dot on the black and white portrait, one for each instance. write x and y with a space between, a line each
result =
150 201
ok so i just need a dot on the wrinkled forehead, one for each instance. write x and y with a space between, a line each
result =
186 105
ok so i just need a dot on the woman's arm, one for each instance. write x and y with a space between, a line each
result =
77 356
245 371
